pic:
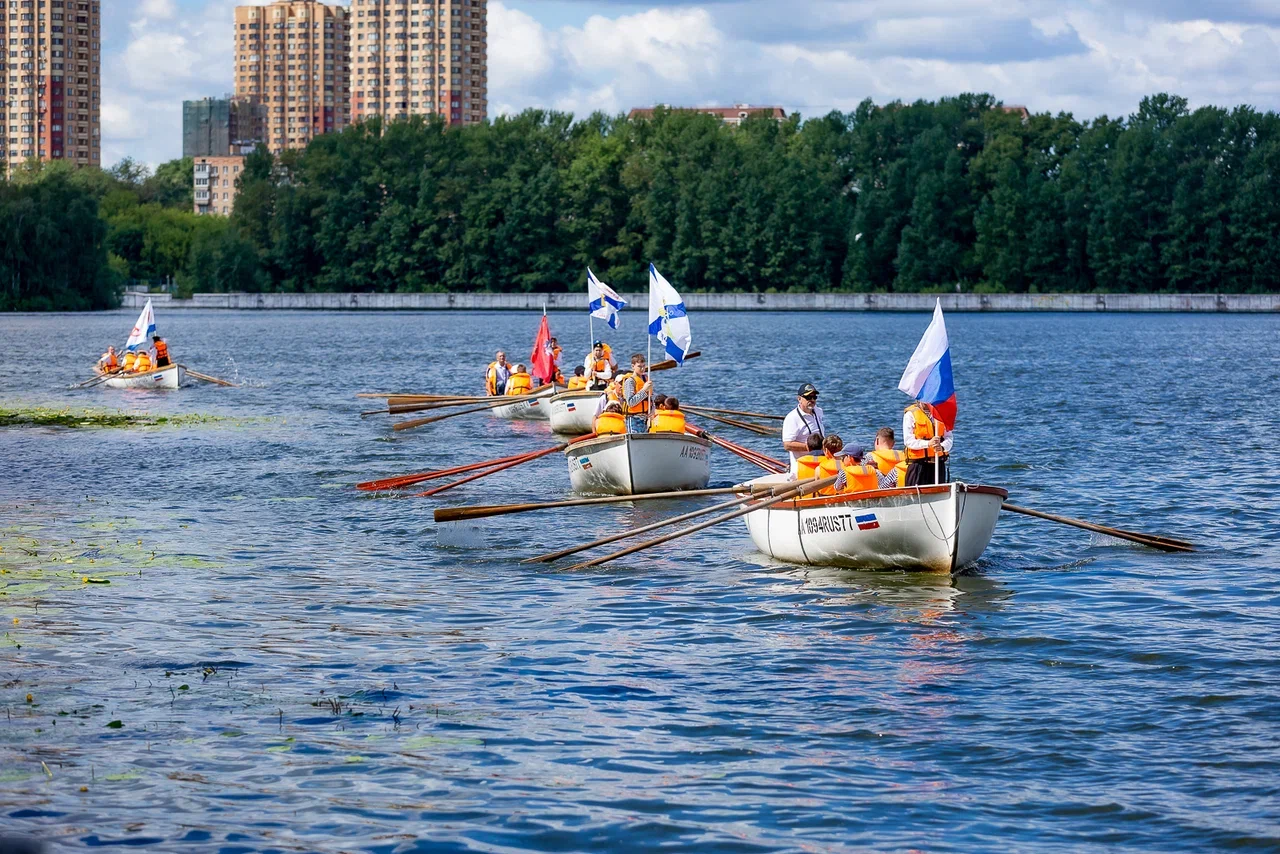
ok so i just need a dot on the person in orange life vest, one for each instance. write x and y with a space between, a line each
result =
807 465
599 366
497 374
891 464
109 362
577 382
611 420
143 364
830 463
556 350
162 351
519 382
858 473
928 445
130 359
636 390
667 418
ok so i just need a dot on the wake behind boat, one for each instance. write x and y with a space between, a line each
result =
637 463
940 528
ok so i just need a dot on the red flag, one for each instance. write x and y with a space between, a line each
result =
541 361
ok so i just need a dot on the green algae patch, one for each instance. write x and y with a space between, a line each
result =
81 418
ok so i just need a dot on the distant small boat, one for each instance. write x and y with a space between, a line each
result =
941 528
637 463
533 407
573 412
170 376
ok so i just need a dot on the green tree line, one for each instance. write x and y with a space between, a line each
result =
929 196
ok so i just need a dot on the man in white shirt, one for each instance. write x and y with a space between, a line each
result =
801 423
599 367
928 444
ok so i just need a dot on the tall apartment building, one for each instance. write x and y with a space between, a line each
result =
411 57
216 127
50 81
293 59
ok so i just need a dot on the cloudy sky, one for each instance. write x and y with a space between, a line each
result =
1088 57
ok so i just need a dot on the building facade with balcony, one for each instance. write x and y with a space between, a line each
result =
215 183
292 58
50 81
420 57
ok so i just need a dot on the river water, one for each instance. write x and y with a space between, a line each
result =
280 662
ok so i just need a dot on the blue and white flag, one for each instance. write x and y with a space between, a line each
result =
667 318
142 330
602 301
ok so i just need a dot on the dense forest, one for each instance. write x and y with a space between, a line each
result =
957 193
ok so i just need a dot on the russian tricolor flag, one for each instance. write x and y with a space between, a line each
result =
928 374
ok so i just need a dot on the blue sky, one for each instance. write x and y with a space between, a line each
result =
1088 57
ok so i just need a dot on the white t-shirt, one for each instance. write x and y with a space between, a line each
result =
589 365
798 427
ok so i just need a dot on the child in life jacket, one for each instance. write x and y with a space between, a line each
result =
668 418
808 464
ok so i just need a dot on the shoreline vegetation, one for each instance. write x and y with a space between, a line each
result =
69 417
933 196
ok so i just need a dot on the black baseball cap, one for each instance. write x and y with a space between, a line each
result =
597 344
807 390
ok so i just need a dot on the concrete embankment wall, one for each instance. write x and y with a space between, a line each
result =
725 302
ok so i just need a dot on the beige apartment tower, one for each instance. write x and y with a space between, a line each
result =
292 58
418 57
50 81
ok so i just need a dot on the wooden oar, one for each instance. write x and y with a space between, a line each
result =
206 377
1166 544
100 378
758 429
793 491
402 480
526 458
418 422
456 514
405 408
756 458
694 408
667 364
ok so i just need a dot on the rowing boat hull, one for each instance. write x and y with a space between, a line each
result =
932 528
573 412
533 408
638 463
168 377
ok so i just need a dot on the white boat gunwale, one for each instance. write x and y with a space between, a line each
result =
155 378
612 441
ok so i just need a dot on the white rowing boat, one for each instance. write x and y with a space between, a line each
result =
170 376
940 528
573 412
636 463
533 407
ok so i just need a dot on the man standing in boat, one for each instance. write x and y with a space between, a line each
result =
801 423
599 366
497 374
928 444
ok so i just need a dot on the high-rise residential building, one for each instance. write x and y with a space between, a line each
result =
216 127
50 81
417 57
293 58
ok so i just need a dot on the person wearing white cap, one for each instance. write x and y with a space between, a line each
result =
801 423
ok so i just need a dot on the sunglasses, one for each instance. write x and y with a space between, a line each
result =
813 396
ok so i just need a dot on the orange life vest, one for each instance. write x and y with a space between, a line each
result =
129 360
491 378
519 384
860 477
641 408
162 352
667 421
892 461
926 427
143 363
828 467
610 422
108 361
576 383
807 467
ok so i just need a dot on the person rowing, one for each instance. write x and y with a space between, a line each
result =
519 382
109 363
801 423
